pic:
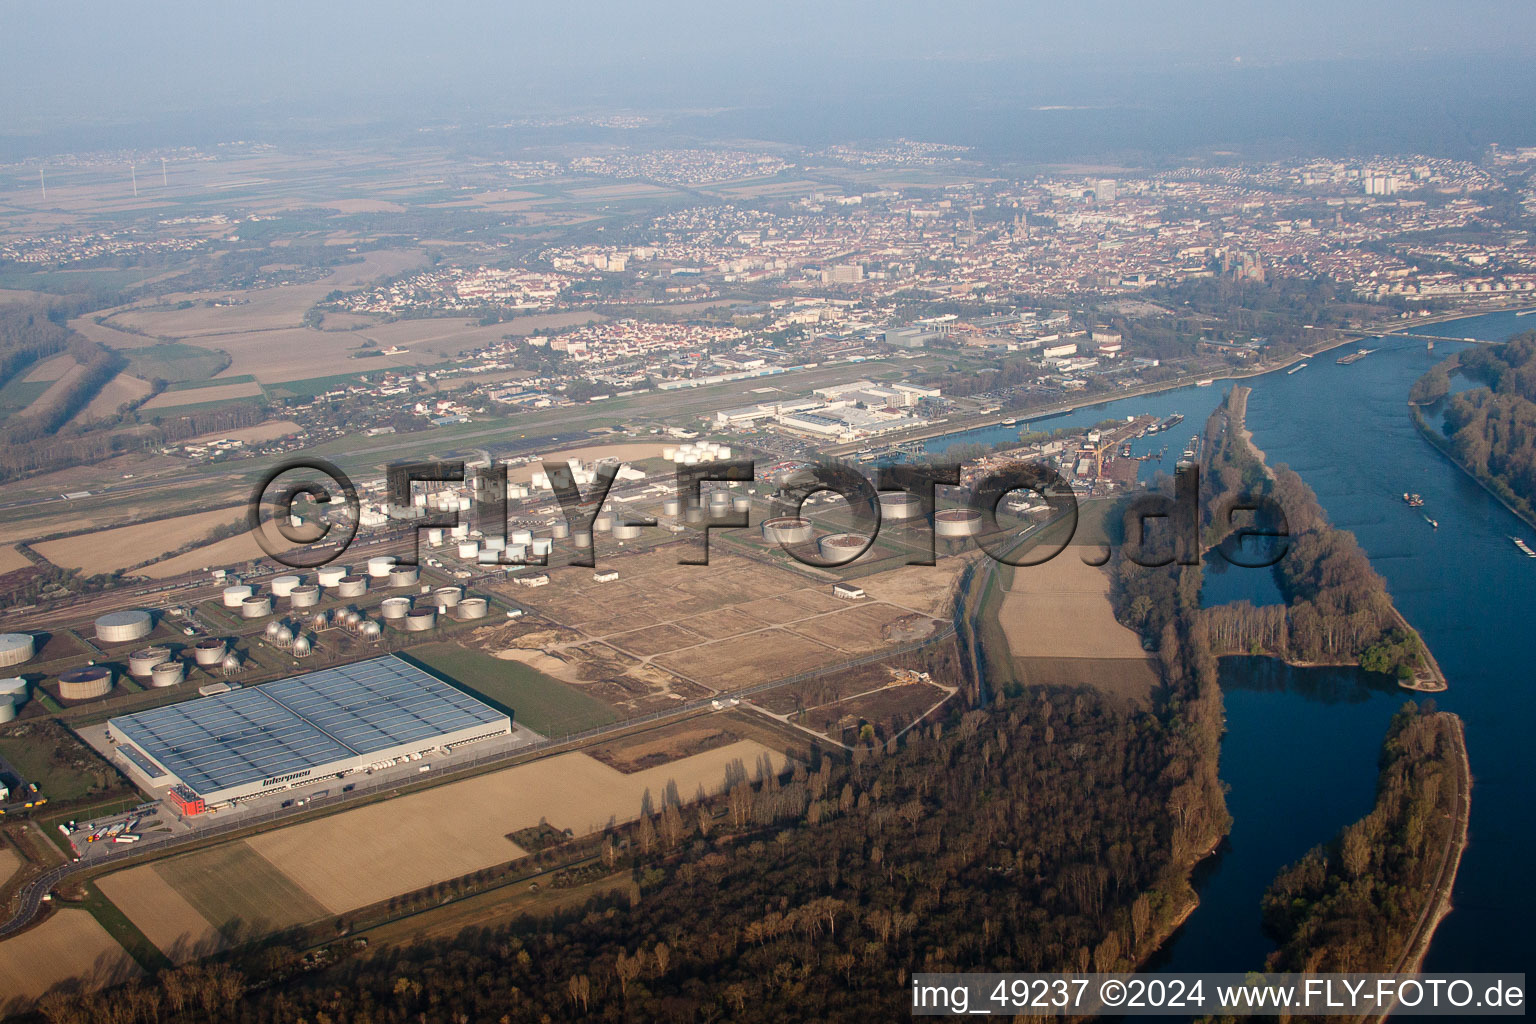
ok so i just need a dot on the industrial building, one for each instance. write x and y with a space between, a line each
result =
325 724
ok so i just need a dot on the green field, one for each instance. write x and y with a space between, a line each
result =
193 385
534 699
239 892
18 393
175 362
64 768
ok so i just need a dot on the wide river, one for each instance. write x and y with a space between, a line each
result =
1301 746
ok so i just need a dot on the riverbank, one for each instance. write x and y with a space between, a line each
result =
1442 444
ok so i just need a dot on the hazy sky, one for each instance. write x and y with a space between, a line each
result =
104 58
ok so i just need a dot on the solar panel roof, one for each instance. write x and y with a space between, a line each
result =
335 714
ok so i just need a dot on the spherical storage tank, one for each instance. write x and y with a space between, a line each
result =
842 547
787 530
86 683
142 663
331 575
954 523
255 607
898 505
284 586
208 653
304 597
301 647
124 627
471 608
16 648
234 595
379 567
167 673
404 576
352 586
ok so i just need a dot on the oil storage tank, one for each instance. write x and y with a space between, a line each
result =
284 586
304 597
255 607
142 662
404 576
235 594
956 523
447 597
16 648
167 673
14 690
623 531
395 607
787 530
208 653
421 619
839 548
352 586
379 566
86 683
124 627
898 506
471 608
331 575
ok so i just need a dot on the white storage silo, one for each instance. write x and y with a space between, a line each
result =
469 549
379 566
603 522
233 596
447 597
124 627
435 537
541 547
142 662
352 586
208 653
395 607
421 619
86 683
255 607
840 548
14 690
331 575
523 537
471 608
622 531
284 586
404 576
956 523
167 673
560 530
16 648
304 597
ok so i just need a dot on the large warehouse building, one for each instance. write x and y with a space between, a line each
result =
299 730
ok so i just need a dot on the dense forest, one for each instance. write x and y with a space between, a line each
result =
1337 609
1353 904
1492 429
1051 830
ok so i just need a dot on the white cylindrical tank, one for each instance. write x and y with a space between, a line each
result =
560 530
331 575
839 548
447 597
624 532
723 451
124 627
209 652
435 537
379 566
669 452
404 576
469 549
352 586
495 544
255 607
523 537
719 498
956 523
899 505
581 540
284 586
167 673
395 607
14 690
541 547
234 595
304 597
16 648
86 683
787 530
741 503
142 662
7 711
671 507
421 619
460 531
471 608
603 522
